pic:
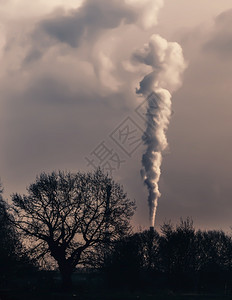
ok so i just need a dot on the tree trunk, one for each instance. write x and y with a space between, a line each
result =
66 275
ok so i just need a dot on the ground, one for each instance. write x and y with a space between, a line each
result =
107 295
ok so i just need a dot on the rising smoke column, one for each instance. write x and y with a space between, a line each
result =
167 62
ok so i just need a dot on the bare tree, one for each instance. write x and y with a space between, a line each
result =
67 215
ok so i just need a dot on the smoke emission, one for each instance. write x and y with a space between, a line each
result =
167 62
83 44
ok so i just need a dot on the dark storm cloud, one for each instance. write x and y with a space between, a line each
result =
220 42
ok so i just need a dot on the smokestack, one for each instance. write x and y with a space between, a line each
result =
152 229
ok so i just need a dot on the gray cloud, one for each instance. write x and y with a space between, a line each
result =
86 23
80 25
92 17
220 41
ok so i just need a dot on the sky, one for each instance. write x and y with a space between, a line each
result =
68 79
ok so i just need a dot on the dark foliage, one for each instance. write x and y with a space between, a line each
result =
180 259
13 259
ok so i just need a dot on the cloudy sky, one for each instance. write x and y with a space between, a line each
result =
68 78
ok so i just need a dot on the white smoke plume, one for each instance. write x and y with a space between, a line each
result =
167 62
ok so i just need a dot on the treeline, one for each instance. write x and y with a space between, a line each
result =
81 222
180 258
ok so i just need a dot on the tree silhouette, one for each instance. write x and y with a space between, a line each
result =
150 249
12 256
214 257
67 215
178 252
7 240
213 247
133 260
124 262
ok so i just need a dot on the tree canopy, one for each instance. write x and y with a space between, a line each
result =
68 214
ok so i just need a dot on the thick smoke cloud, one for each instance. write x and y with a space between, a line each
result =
167 62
